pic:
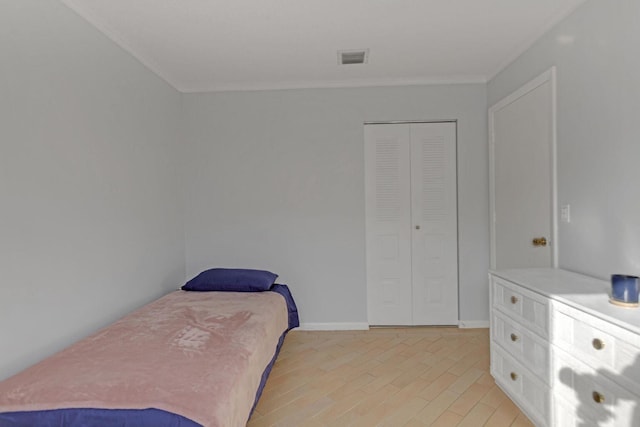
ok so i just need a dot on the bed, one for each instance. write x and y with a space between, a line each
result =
187 359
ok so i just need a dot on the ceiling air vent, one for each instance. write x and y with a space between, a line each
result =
348 57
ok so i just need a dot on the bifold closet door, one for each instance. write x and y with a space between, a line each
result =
434 216
411 224
388 223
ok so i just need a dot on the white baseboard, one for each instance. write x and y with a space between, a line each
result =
361 326
472 324
356 326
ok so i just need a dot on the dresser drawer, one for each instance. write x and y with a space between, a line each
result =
568 415
565 414
530 394
589 397
528 308
612 350
523 345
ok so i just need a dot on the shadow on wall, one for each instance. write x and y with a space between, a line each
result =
599 407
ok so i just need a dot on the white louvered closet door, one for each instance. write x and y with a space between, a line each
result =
388 205
412 271
435 224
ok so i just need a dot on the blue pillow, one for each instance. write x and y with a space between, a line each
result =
231 280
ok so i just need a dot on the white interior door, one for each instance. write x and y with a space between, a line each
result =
522 144
411 211
435 224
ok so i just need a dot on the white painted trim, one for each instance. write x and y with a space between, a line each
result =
547 76
152 65
355 326
473 324
148 62
530 41
492 186
329 84
554 168
115 37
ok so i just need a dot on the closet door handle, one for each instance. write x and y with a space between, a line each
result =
514 337
417 227
514 299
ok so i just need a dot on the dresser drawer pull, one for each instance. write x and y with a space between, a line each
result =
514 337
597 397
514 299
514 377
598 344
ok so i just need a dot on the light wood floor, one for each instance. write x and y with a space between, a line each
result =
385 377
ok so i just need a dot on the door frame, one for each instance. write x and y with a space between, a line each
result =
547 76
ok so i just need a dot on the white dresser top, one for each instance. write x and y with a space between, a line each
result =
582 292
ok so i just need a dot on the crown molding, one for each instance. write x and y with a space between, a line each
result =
149 63
334 84
530 41
116 37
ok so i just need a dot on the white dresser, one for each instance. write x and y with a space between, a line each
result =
564 354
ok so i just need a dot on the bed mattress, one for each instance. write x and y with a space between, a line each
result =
187 359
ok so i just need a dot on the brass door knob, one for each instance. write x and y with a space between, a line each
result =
514 376
597 343
514 299
539 241
514 337
598 397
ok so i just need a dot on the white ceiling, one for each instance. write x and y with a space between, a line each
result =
211 45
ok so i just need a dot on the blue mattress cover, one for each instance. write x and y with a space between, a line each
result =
150 417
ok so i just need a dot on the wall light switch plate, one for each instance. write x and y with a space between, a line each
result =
565 213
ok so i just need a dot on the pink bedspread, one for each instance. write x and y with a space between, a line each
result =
197 354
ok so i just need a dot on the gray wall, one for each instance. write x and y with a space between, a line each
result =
91 215
596 54
275 180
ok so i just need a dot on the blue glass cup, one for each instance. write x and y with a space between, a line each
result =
625 288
